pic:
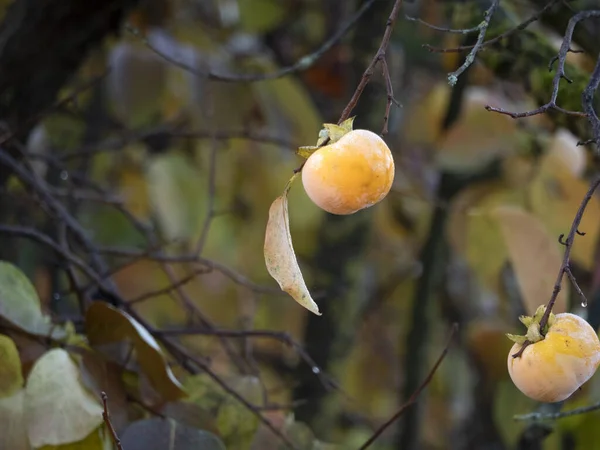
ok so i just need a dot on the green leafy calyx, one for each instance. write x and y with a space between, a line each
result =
532 323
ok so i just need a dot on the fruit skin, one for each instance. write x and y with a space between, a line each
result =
351 174
552 369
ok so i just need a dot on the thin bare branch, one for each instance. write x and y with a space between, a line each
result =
470 59
413 398
109 425
302 64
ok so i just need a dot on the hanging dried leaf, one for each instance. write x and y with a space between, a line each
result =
280 257
107 326
58 409
535 257
11 378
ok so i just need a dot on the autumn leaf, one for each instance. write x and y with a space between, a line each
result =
280 257
535 257
555 195
99 439
11 378
20 304
12 418
165 434
58 409
106 325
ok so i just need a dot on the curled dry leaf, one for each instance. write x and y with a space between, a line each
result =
535 256
280 257
107 325
20 304
12 418
58 409
11 378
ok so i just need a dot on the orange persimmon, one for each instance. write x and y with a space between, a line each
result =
350 174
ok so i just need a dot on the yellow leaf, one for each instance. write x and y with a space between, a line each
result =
11 378
478 137
555 195
106 325
475 235
58 409
280 257
563 152
12 418
535 257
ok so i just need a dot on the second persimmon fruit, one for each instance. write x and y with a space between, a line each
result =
351 174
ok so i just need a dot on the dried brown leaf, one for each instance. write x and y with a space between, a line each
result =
280 257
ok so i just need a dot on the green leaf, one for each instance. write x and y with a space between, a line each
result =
99 439
58 409
165 434
20 304
11 378
279 254
12 418
106 325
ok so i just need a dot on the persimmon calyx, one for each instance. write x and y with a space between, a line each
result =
329 134
534 334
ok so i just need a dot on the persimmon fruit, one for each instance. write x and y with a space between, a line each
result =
557 363
352 173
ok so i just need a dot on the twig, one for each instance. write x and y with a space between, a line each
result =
498 38
483 26
171 287
390 95
302 64
108 423
379 56
559 75
284 337
415 394
444 29
540 417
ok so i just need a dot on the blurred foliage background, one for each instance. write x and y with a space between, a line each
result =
166 155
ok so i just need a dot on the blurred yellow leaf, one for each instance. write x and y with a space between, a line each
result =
20 304
555 195
107 325
487 341
478 136
475 235
260 16
14 426
280 257
177 196
59 410
11 378
535 257
564 153
287 107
